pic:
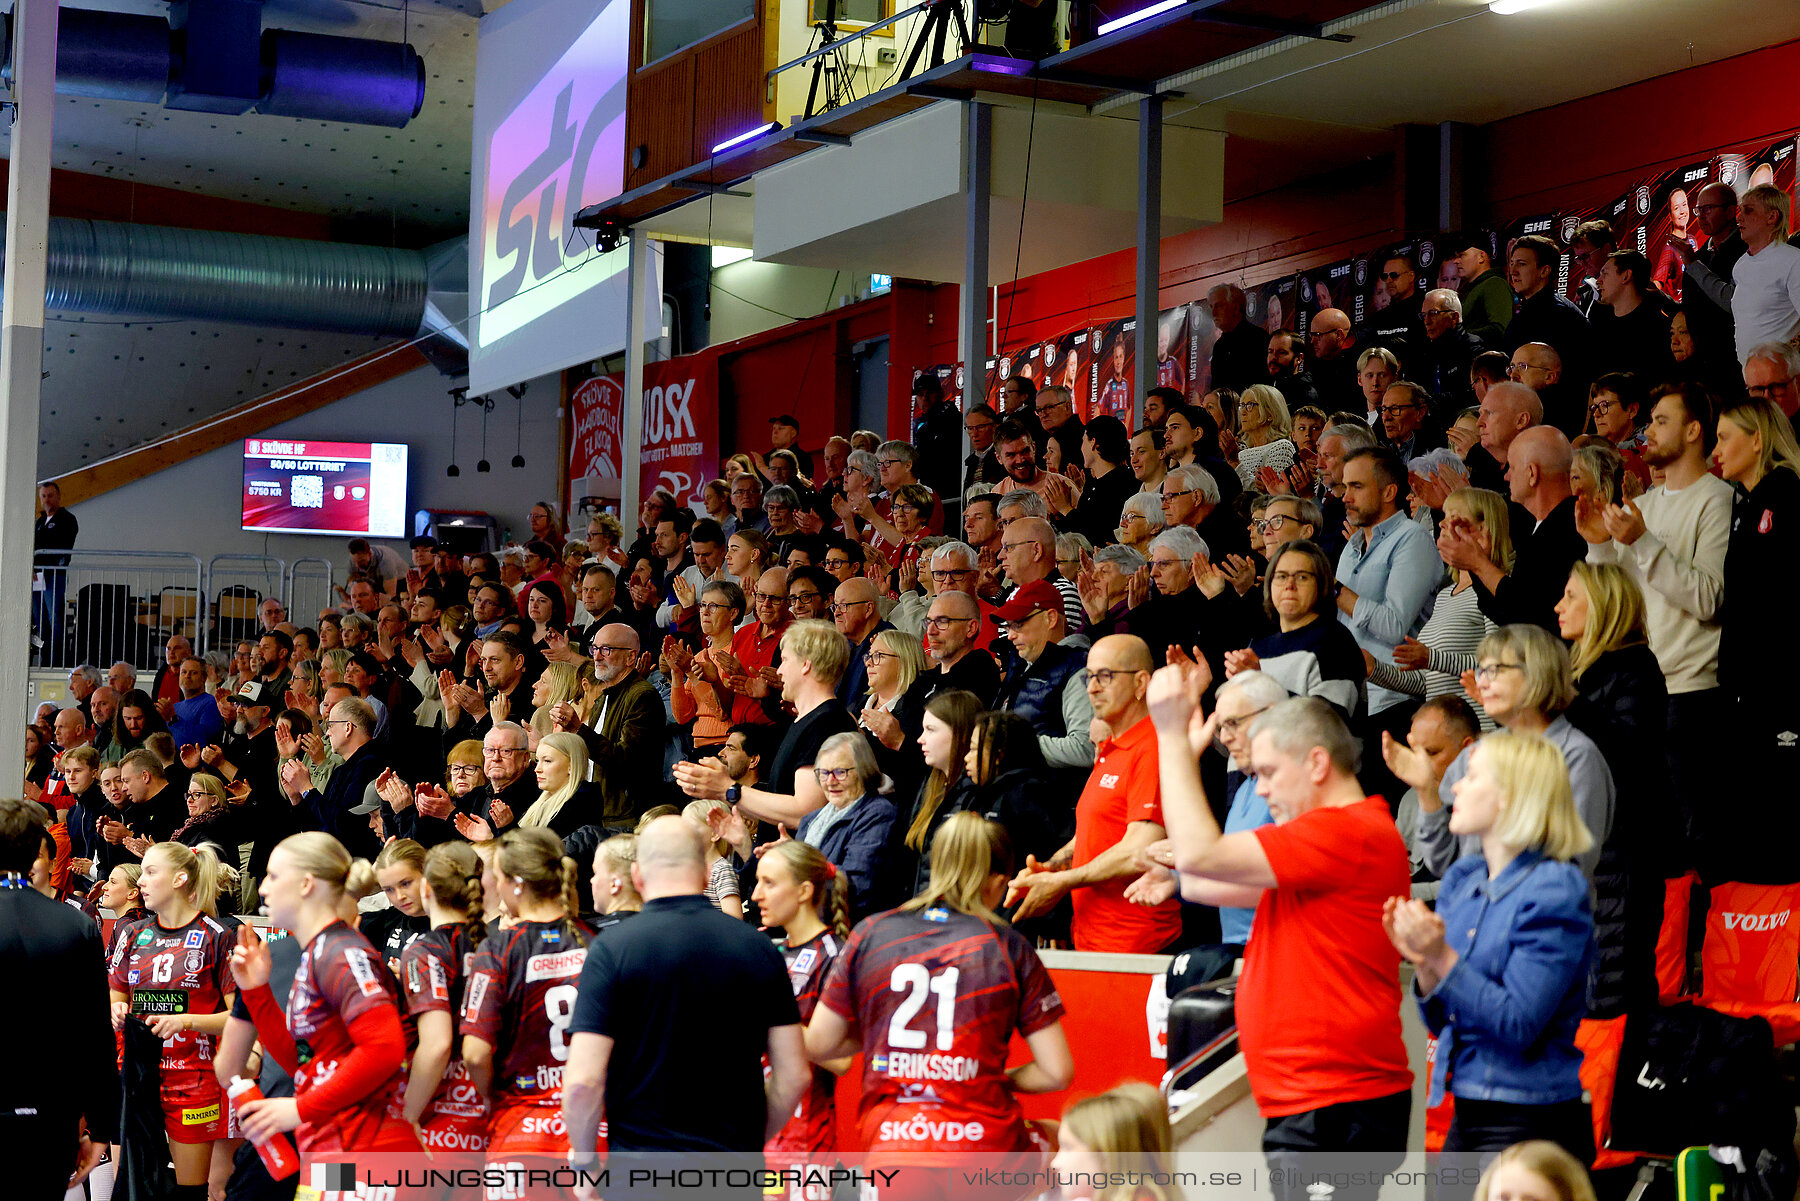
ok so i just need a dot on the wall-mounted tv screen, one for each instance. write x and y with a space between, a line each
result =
341 488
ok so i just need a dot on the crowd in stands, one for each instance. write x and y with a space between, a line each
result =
1426 642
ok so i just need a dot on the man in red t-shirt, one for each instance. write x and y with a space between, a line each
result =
1118 815
1318 1005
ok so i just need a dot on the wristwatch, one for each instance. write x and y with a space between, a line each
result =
733 794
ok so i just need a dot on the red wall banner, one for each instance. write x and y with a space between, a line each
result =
681 426
596 407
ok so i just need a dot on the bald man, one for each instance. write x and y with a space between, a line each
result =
856 610
1332 361
951 629
1118 815
625 736
1507 409
1028 552
1539 367
631 1032
1545 547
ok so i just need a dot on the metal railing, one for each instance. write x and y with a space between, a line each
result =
309 590
237 585
107 606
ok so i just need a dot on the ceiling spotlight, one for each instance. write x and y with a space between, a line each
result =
518 460
454 471
483 466
1506 8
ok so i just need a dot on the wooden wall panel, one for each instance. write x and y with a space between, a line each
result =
680 107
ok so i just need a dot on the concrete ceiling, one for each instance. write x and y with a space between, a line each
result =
407 186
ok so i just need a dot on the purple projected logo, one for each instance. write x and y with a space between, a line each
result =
561 146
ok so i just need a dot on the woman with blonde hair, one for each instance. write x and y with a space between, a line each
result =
1535 1169
802 893
1432 663
1122 1131
400 872
943 974
1757 453
566 800
615 893
209 813
1264 434
432 975
529 972
170 972
1502 965
712 819
344 1005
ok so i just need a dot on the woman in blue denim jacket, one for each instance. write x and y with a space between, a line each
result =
1502 965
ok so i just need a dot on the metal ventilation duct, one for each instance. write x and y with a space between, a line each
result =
159 273
222 61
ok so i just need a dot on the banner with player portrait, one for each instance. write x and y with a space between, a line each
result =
1201 334
1672 200
1274 306
1115 371
1174 350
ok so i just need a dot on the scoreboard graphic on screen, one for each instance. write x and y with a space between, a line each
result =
295 486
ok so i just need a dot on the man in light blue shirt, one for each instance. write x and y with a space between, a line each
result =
1390 571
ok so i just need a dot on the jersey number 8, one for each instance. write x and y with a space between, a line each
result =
559 1007
915 981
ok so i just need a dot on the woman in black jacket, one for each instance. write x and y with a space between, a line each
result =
1011 782
1622 704
944 740
1757 453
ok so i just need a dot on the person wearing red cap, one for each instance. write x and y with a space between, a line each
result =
1046 685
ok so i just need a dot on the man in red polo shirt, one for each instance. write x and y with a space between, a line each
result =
754 646
1318 1005
1118 815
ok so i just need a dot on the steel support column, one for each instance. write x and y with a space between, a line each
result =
1149 247
22 355
972 302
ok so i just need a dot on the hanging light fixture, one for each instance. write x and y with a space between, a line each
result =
487 407
518 394
458 398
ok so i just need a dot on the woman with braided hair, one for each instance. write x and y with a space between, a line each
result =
808 898
441 1102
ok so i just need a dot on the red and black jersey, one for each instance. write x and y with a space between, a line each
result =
519 1000
1115 399
433 971
184 970
814 1124
1171 374
934 997
340 978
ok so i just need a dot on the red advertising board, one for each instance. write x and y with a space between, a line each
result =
681 426
596 407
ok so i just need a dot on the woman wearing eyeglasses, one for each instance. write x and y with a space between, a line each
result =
1263 434
1431 664
1524 681
210 818
851 829
697 692
1311 654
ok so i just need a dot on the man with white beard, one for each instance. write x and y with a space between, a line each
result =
248 755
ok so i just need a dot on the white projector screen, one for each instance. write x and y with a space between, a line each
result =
549 140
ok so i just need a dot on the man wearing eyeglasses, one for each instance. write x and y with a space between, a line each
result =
951 629
982 464
507 790
1707 286
1331 360
1399 326
1405 420
339 810
755 696
1046 684
895 462
1240 356
1772 372
1440 360
1118 815
857 614
624 730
